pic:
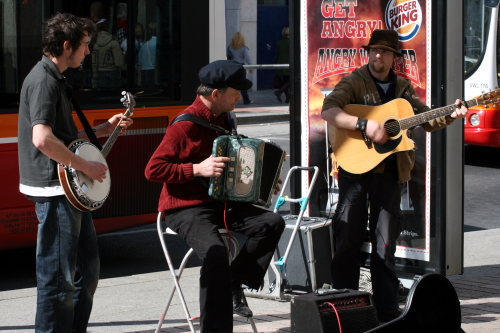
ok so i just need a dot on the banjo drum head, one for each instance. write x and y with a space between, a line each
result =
93 189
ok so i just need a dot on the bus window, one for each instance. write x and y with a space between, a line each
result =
475 33
9 71
142 51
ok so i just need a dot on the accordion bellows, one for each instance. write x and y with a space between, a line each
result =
252 173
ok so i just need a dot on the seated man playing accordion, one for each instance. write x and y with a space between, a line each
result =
182 158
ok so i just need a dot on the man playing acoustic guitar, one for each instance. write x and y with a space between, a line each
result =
373 84
67 257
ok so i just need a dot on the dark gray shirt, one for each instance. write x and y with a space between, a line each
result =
43 101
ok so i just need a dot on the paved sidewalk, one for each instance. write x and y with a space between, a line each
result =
479 287
134 303
264 109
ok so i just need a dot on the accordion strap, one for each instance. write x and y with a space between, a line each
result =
199 121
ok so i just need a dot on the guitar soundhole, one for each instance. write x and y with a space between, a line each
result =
392 127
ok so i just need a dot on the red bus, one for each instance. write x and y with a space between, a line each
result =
482 62
176 50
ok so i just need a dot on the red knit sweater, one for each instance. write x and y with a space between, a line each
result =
183 145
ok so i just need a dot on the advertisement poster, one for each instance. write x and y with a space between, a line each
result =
331 49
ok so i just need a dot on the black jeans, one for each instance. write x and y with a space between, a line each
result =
385 224
199 225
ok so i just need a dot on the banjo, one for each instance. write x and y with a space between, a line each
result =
83 192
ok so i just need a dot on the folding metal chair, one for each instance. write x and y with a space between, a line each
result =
231 243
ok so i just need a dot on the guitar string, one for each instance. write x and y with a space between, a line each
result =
446 109
418 118
423 117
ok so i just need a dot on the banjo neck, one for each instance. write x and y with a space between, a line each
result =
114 135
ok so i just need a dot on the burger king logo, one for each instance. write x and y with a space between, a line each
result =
404 16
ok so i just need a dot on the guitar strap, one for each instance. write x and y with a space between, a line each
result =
88 129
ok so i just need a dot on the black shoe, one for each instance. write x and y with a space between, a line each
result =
240 308
389 315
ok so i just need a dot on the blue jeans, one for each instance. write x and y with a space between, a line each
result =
67 267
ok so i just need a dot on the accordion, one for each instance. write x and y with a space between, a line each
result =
252 173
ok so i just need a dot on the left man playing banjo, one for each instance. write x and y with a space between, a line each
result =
67 257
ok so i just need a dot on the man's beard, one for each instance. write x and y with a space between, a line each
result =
379 69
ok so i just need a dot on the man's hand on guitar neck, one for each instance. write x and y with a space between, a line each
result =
376 132
108 127
461 110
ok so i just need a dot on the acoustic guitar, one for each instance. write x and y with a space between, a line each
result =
83 192
354 155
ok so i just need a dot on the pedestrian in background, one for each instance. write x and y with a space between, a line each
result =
282 56
146 60
97 16
139 39
239 52
121 22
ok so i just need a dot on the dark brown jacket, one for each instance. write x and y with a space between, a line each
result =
359 88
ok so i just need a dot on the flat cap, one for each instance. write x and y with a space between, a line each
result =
225 73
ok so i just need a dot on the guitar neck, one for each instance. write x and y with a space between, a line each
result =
432 114
113 136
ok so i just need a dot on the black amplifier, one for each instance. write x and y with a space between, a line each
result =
315 312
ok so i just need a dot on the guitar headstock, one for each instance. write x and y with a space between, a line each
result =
491 97
129 102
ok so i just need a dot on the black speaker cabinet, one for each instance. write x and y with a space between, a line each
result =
308 264
314 312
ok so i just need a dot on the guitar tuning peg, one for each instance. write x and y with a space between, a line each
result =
122 99
124 93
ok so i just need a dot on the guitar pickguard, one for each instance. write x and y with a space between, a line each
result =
388 146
